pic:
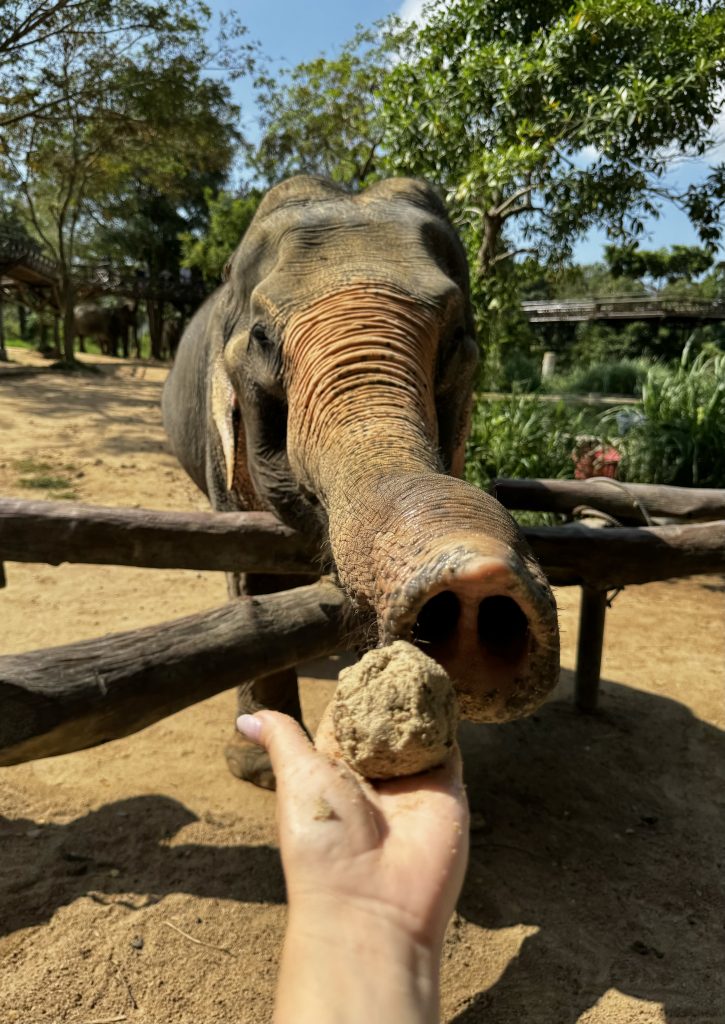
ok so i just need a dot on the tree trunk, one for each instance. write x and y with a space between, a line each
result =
56 336
43 342
134 329
67 299
22 322
631 504
155 311
627 555
3 350
61 531
125 331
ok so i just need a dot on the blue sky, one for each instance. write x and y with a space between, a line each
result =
291 31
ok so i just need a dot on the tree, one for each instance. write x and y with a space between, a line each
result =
128 101
323 116
543 120
228 218
679 263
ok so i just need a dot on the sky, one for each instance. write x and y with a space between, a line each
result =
291 31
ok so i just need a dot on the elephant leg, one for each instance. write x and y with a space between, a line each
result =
278 691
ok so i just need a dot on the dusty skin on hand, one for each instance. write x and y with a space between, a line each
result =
394 713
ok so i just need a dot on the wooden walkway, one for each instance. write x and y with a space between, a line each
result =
624 309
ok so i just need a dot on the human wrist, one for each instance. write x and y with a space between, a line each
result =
351 962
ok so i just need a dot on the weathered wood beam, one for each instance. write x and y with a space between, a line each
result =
55 532
623 556
58 531
623 501
67 698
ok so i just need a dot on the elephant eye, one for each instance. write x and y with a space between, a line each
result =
259 334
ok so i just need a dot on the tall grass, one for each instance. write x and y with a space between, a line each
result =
614 377
681 437
677 437
523 436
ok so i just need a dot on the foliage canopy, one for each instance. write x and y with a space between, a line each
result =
557 117
115 127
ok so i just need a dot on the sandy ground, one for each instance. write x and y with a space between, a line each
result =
140 882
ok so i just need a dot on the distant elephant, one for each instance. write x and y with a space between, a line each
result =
109 325
329 380
171 336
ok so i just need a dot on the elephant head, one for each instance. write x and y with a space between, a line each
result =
336 365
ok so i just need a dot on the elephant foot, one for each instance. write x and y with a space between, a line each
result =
249 762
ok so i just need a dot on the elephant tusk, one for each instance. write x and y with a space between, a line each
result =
223 401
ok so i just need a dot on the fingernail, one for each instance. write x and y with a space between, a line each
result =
250 727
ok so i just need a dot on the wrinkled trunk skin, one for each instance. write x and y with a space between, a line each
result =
434 559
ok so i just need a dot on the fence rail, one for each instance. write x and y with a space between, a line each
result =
66 698
630 503
572 555
59 531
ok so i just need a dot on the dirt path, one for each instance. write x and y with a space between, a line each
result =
140 882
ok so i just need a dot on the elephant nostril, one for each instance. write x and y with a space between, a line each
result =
503 629
437 619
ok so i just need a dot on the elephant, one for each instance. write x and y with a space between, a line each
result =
109 325
171 335
329 380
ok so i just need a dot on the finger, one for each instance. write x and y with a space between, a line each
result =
284 740
311 787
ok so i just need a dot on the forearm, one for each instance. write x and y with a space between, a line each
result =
350 967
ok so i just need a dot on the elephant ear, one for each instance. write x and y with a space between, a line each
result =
223 401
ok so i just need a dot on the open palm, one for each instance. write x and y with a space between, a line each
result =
395 850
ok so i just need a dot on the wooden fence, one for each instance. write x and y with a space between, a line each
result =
65 698
602 560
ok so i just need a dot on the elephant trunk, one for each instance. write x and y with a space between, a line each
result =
442 564
436 560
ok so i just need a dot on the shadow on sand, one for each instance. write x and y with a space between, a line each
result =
606 833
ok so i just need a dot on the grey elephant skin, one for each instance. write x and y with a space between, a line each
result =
329 380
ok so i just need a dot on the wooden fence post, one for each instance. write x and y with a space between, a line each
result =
592 613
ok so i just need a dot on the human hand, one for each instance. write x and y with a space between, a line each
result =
391 852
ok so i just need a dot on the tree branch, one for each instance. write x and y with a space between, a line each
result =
500 210
29 25
510 253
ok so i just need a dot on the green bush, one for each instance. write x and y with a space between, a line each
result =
678 438
681 437
520 371
620 377
601 342
523 436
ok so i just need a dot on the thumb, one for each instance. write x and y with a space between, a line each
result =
283 739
